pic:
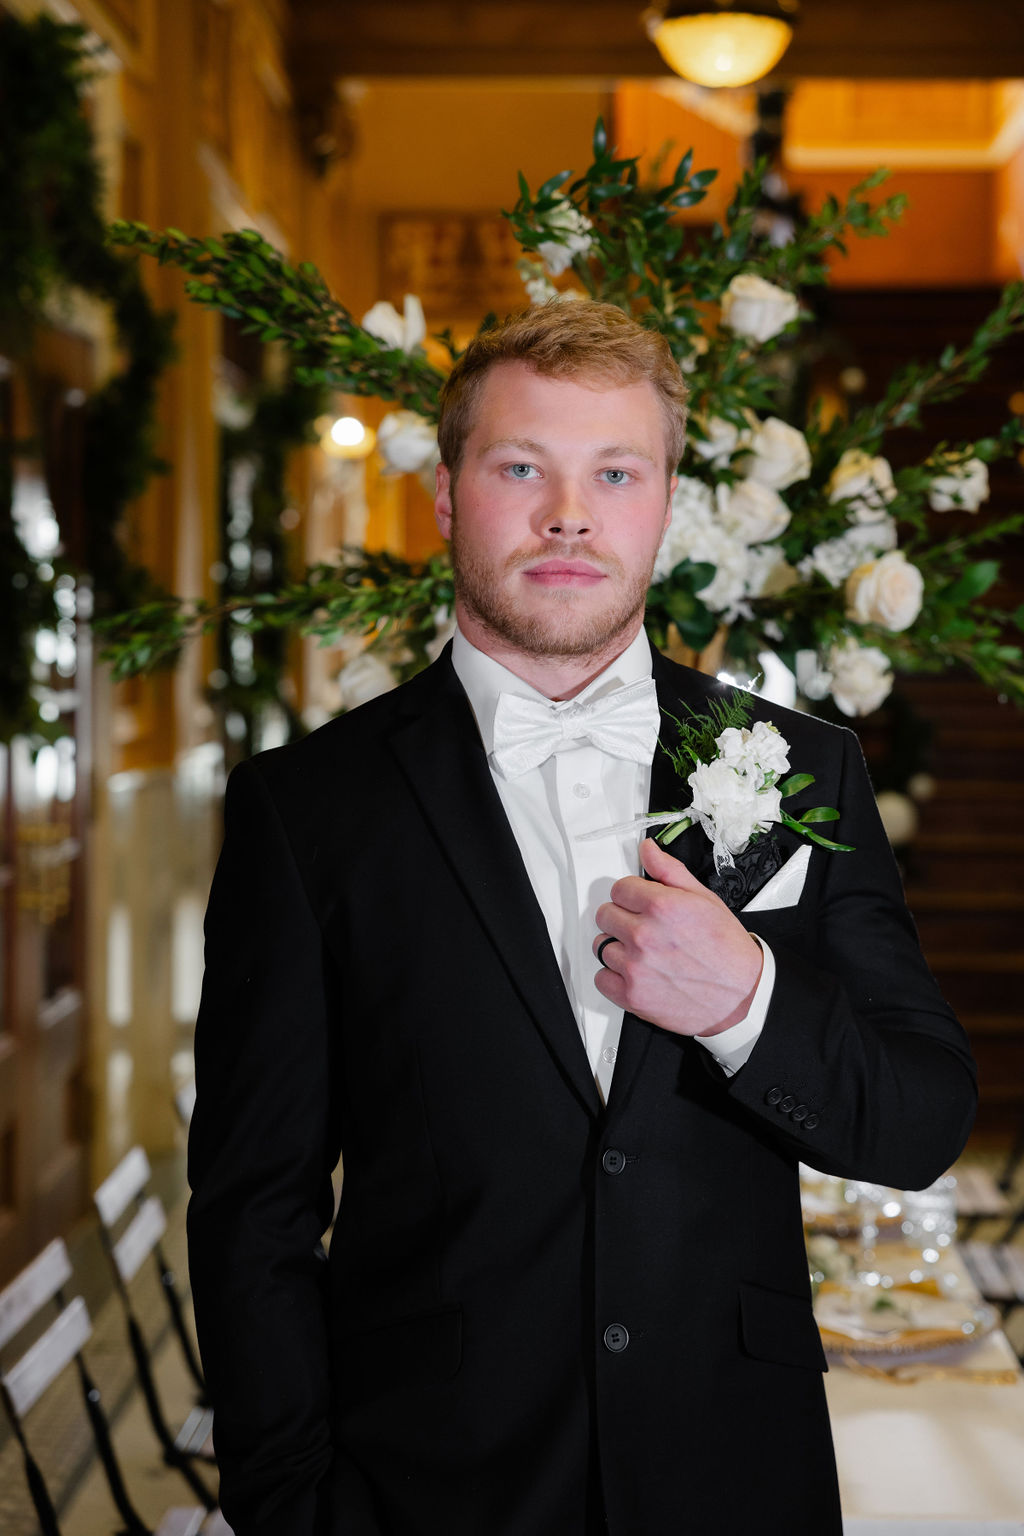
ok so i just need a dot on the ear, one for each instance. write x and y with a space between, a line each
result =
443 500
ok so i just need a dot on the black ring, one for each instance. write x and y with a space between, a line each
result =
601 949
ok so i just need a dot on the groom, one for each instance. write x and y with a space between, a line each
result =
567 1291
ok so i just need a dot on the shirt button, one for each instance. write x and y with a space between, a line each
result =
609 1054
581 791
616 1337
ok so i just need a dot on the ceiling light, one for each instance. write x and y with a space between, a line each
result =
719 42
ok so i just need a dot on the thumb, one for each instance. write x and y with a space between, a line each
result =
666 869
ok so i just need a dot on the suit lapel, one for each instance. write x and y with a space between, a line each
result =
441 755
676 686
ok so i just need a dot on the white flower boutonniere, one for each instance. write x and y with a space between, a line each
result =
734 775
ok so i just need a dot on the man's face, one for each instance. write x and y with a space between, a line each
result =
560 507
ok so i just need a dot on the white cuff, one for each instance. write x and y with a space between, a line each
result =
731 1047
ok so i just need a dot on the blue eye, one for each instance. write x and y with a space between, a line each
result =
620 476
520 471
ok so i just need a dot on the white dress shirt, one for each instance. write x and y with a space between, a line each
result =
581 789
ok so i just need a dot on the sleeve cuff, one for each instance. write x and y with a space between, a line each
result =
733 1046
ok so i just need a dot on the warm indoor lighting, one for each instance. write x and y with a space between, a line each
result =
346 437
717 43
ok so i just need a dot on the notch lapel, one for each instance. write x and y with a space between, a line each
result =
442 757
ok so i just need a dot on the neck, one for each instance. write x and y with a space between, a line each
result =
556 677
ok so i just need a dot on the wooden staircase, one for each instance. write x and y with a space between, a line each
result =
964 878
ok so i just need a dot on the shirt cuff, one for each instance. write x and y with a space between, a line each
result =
731 1047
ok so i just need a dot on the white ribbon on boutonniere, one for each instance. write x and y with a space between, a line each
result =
733 773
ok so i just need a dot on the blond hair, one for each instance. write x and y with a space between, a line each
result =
565 339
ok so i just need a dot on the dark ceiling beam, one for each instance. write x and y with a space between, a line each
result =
604 39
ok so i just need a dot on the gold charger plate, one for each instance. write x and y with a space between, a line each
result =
979 1319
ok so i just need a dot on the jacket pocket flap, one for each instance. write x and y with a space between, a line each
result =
780 1328
424 1347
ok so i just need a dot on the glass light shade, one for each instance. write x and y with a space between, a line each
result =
722 49
346 438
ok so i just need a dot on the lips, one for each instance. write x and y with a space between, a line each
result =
569 571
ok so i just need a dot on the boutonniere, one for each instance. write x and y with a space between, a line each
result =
734 775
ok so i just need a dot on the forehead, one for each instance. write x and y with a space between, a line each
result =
515 400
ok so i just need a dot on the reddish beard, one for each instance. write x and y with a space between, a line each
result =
564 628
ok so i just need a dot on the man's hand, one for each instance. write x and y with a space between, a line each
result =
684 961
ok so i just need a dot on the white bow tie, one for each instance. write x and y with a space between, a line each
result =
624 724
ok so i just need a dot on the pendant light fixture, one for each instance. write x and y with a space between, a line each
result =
722 42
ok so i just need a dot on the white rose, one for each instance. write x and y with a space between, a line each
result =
757 309
721 440
888 591
407 442
730 807
861 678
836 558
778 456
364 678
865 483
962 488
726 590
397 333
769 573
699 346
752 512
813 679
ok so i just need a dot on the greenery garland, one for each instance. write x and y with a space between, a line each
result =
52 240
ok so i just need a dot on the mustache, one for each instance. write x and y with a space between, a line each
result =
563 549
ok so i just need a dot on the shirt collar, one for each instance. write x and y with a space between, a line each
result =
484 679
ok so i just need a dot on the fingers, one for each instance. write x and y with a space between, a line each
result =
666 869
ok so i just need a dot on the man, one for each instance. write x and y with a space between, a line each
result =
567 1291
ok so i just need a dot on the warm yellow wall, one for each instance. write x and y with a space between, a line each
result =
648 118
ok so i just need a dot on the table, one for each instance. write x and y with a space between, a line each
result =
940 1457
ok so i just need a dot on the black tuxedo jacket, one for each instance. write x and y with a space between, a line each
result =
521 1282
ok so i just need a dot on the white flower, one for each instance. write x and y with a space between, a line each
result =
570 236
759 752
407 443
888 591
726 590
730 807
752 512
364 678
962 488
778 455
757 309
692 506
813 679
398 333
861 678
865 483
836 558
534 279
721 440
769 574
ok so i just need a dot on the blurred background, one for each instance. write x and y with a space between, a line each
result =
380 141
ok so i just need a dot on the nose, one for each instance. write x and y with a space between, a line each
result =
568 516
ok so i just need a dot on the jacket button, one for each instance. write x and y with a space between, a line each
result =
616 1337
810 1122
773 1095
787 1104
613 1160
800 1113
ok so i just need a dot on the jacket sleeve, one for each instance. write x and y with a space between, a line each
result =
262 1145
861 1067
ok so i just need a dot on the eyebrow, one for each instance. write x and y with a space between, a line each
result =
605 451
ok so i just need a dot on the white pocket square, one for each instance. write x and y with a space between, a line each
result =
783 889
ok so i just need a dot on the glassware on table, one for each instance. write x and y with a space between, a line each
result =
929 1224
872 1202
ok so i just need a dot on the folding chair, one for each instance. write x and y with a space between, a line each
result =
23 1383
128 1244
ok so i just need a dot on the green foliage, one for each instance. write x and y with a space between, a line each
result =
698 736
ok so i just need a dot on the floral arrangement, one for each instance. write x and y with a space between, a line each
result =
788 536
